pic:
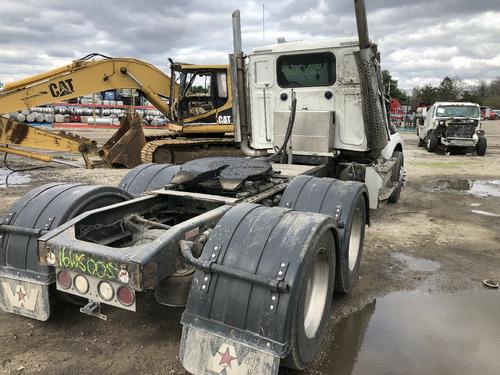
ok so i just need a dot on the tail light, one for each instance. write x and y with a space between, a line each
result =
64 279
125 296
106 291
81 284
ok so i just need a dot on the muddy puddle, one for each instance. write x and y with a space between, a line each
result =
416 264
478 188
418 333
16 178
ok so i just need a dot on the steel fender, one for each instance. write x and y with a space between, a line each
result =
337 199
270 243
148 177
43 208
395 141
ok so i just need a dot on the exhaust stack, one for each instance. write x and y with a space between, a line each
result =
362 24
242 131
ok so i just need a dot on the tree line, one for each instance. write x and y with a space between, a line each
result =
450 89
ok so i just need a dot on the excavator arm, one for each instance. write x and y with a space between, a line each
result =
87 76
82 77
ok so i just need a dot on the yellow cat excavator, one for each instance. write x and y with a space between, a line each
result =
200 119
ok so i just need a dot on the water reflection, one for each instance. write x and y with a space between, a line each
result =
417 333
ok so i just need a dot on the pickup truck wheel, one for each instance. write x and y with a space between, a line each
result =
147 177
347 201
397 177
481 146
432 143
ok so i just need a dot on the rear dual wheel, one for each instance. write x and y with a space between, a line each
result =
298 248
314 303
346 201
148 177
47 207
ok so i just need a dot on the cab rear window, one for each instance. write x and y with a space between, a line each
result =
306 70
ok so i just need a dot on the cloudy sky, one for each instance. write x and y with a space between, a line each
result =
421 40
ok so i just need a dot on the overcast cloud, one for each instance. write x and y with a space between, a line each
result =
421 40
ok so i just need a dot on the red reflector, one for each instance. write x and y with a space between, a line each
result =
125 296
64 279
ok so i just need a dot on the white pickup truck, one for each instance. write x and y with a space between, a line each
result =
452 126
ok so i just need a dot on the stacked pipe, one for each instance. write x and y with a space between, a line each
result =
63 114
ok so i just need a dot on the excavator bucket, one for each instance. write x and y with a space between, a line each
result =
15 134
124 147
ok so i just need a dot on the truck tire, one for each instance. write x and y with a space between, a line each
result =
421 142
47 207
347 202
397 177
147 177
272 243
432 143
481 146
314 303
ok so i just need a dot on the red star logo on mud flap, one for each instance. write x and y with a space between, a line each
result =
226 358
21 295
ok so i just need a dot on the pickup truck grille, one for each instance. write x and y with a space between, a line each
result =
460 130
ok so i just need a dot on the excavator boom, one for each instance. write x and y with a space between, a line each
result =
84 77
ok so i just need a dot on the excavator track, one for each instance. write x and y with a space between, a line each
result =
179 150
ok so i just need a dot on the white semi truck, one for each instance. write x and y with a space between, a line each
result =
254 247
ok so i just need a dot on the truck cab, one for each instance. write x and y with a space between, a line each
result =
333 121
324 78
452 125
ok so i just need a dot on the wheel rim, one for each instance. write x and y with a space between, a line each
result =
316 293
355 238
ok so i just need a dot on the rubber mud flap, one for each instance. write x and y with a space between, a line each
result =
43 208
27 298
345 201
147 177
244 300
205 353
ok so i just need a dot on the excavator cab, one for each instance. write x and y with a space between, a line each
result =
204 104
